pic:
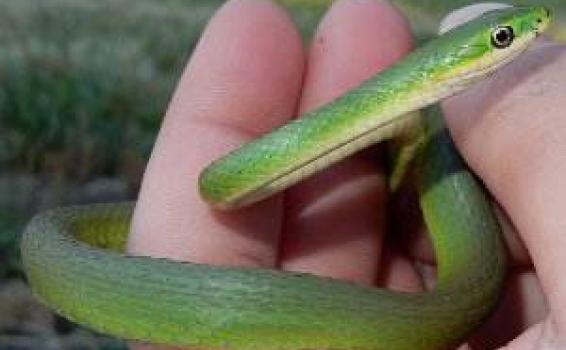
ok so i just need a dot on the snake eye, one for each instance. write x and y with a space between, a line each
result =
502 37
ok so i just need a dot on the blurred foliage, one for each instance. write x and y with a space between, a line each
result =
10 225
83 84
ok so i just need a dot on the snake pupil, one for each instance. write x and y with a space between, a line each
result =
502 37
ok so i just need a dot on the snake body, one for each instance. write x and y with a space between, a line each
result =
74 261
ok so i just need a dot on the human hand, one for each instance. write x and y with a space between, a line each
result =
248 75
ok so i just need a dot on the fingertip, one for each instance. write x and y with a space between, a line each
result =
468 13
250 57
399 273
355 39
511 131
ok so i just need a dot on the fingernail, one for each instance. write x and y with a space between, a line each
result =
465 14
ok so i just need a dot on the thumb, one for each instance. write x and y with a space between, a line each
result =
511 129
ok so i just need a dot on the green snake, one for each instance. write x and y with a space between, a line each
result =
74 261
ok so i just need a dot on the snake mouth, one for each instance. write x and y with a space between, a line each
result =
542 23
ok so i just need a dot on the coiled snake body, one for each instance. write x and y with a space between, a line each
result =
203 306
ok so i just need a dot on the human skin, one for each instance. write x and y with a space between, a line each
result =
250 74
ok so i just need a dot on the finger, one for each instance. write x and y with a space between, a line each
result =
522 305
243 80
231 92
335 220
512 131
532 336
398 273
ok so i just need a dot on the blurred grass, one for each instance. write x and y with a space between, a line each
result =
83 84
9 235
